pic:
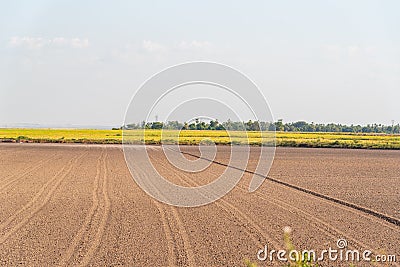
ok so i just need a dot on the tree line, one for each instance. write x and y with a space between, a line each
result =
299 126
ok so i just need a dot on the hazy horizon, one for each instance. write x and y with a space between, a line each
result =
74 63
103 127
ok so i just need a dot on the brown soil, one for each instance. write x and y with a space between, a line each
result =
78 205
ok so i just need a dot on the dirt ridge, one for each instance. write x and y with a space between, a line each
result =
298 188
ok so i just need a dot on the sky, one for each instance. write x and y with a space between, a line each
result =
80 62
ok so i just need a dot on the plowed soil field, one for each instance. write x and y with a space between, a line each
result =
77 205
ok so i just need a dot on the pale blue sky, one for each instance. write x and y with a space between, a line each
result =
76 62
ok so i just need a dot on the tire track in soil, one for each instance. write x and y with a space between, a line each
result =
180 252
249 225
83 244
179 249
15 177
77 238
383 223
312 219
317 222
168 236
104 219
338 202
329 228
37 202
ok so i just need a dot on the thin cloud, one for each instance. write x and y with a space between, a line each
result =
74 42
39 42
29 42
343 51
194 44
151 46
